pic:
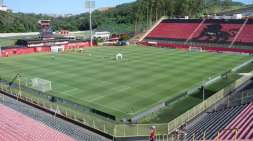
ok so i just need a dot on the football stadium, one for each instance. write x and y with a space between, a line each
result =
179 79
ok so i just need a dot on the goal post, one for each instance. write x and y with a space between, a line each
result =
195 49
1 51
57 49
41 85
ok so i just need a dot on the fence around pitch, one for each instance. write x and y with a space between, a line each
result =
123 130
80 117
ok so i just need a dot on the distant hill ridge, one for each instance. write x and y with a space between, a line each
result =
129 17
246 11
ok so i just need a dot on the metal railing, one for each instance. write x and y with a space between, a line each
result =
77 116
234 130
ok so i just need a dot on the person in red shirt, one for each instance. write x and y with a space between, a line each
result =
152 136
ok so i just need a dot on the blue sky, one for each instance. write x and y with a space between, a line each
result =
62 6
245 1
57 6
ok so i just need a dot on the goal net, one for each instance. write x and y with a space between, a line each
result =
57 49
195 49
41 85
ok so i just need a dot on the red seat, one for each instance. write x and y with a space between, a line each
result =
173 30
215 31
246 35
244 123
15 126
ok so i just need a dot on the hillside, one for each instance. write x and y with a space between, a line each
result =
18 22
127 17
216 6
245 10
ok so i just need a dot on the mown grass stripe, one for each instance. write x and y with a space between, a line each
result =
145 77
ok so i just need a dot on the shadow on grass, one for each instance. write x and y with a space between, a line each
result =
171 112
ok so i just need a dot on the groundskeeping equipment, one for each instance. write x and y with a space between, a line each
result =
41 85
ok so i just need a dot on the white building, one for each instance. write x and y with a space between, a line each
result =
104 35
3 7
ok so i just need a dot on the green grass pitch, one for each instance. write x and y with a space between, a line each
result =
146 76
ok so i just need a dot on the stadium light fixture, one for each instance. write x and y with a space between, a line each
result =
90 4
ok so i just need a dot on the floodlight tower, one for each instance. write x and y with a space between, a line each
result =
3 7
46 31
90 4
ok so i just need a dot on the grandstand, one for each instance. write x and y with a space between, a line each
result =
243 125
209 126
16 126
210 34
60 128
226 120
225 124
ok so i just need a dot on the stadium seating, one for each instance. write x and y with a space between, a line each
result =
216 33
172 29
246 35
209 33
244 123
211 123
15 126
72 130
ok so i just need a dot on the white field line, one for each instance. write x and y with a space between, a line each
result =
88 101
107 95
70 91
74 97
111 108
162 100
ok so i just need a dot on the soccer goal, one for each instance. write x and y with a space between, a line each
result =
57 49
195 49
41 85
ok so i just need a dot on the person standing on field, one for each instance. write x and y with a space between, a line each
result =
152 136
